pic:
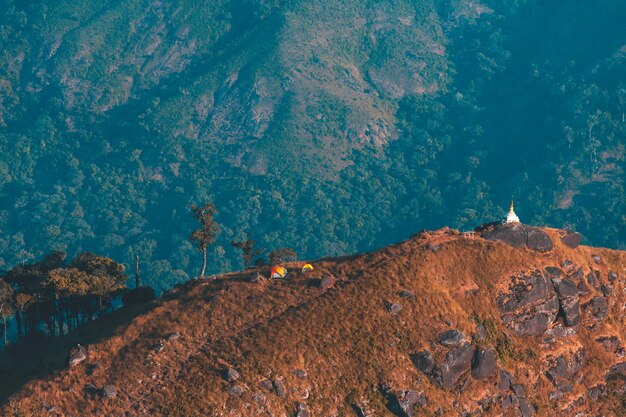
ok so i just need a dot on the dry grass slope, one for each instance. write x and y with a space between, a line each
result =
344 338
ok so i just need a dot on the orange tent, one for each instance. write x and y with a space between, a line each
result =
278 272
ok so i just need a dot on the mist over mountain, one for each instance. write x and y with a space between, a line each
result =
325 126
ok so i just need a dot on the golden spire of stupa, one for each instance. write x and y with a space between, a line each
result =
511 217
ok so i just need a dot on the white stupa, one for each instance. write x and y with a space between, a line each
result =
511 217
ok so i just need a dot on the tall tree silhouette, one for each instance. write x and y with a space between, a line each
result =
6 304
208 231
249 252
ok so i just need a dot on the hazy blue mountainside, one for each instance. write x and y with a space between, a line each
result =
327 126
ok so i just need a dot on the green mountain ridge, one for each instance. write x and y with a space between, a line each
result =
328 127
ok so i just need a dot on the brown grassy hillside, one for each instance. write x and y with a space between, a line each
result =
352 349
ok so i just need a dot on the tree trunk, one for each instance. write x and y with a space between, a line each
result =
4 319
137 271
203 262
18 323
60 321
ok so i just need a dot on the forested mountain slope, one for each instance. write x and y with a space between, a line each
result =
326 126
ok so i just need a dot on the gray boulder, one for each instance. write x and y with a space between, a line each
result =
363 409
592 278
610 343
597 392
407 294
565 288
423 361
571 311
174 336
327 282
394 308
597 308
109 391
538 240
583 289
553 272
509 401
259 398
404 403
77 355
506 380
563 369
571 239
232 375
267 384
532 325
483 364
303 410
279 386
568 298
526 410
236 391
518 390
559 331
456 363
256 278
606 289
452 338
513 234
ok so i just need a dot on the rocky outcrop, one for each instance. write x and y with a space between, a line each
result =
303 410
452 338
232 375
363 409
513 234
483 364
456 363
530 305
279 386
597 308
236 391
612 344
518 235
109 391
538 240
571 239
394 308
568 299
327 282
403 403
77 355
423 361
562 369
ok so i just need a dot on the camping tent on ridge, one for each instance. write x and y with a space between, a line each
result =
278 272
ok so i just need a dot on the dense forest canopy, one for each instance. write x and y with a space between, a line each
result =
325 126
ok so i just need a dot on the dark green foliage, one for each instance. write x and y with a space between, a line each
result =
58 295
248 250
281 255
329 127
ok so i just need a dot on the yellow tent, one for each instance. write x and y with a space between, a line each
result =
307 267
